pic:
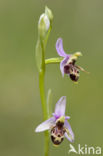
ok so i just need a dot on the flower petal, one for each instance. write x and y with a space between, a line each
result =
69 133
60 107
45 125
59 48
62 64
67 117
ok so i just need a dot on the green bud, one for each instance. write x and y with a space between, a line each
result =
43 25
49 13
44 29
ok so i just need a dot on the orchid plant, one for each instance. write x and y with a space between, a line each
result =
57 125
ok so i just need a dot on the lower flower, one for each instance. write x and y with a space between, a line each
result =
58 124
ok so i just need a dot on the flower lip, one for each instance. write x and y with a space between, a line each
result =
72 70
74 77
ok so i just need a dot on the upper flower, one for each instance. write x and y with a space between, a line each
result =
45 22
58 124
67 65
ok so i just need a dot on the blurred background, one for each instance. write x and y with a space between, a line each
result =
80 24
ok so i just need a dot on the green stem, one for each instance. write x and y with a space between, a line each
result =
46 39
45 113
49 103
53 60
43 99
42 93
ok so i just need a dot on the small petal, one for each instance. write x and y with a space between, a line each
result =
62 64
60 107
67 117
45 125
69 133
59 48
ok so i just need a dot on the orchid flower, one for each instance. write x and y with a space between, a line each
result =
58 124
67 65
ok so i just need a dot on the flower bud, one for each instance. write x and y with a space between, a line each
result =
48 12
43 25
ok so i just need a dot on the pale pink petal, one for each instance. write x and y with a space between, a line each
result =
69 134
45 125
67 117
60 107
59 48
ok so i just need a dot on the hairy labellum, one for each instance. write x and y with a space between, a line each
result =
74 77
72 70
57 133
